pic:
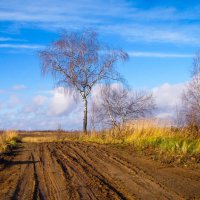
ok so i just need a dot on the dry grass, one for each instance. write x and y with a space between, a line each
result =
40 137
8 139
146 134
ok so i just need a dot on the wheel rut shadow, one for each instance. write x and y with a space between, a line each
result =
9 159
17 162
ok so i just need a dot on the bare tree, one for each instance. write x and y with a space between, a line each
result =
79 60
117 105
191 96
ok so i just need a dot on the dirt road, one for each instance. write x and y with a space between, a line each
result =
88 171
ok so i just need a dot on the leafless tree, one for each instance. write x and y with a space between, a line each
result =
79 60
191 96
117 105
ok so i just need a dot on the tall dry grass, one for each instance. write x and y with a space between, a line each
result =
151 133
8 139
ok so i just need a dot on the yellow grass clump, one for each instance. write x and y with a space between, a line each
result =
8 138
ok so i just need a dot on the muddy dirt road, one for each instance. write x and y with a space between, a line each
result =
87 171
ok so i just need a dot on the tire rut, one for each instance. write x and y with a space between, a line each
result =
72 170
52 183
90 177
134 176
25 178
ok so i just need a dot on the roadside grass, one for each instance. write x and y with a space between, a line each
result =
8 140
150 137
149 134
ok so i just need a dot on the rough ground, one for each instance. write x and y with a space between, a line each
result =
88 171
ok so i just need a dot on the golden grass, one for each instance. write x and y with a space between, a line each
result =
8 138
40 137
149 134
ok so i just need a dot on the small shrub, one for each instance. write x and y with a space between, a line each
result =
8 139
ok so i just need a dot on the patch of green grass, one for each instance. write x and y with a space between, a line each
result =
13 143
170 144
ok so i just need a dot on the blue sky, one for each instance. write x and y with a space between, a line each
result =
161 38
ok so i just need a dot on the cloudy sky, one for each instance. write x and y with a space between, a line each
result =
161 38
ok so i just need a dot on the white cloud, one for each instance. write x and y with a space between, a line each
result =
3 39
19 87
39 100
96 95
49 109
62 102
21 46
159 54
168 95
159 33
37 105
168 98
54 103
45 112
14 101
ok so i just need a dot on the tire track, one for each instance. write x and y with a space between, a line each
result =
67 173
137 177
53 183
88 178
173 180
72 170
25 178
76 155
36 193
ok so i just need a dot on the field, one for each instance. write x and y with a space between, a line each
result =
80 170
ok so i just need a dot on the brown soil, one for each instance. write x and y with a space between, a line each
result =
74 170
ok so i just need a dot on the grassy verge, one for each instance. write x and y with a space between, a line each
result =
165 141
149 138
8 140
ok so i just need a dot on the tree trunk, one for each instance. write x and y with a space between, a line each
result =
85 115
